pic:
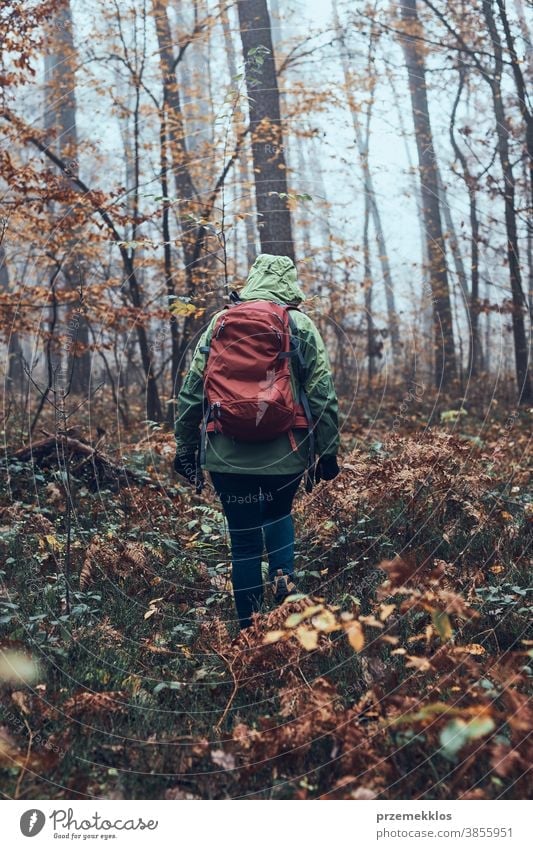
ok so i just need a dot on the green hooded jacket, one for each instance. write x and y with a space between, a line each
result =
271 278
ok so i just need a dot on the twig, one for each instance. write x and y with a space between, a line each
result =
306 682
220 722
24 767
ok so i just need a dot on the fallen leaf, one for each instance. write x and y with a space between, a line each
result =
295 618
325 621
385 611
21 700
307 638
223 759
355 634
472 648
442 625
420 663
273 637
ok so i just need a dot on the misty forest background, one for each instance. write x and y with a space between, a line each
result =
149 150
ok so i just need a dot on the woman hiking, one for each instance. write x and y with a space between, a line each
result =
256 408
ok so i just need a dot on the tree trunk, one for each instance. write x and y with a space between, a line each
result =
368 284
452 243
192 234
193 80
245 178
15 378
303 170
370 193
274 221
424 314
523 375
521 91
526 35
169 273
185 189
475 355
445 361
60 120
316 168
192 77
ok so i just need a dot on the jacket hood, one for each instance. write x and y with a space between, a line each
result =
272 278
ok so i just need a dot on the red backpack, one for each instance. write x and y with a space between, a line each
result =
247 378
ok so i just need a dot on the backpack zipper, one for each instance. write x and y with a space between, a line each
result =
221 328
278 334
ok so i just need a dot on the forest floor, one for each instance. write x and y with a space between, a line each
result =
401 671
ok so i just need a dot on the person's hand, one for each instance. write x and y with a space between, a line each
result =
327 468
185 466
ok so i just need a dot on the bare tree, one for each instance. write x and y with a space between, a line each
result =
175 155
424 313
524 99
274 220
493 77
15 377
471 183
368 181
445 361
245 178
60 124
523 371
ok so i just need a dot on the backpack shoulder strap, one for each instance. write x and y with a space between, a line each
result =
207 347
297 353
295 349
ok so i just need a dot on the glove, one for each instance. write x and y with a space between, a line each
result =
185 465
327 468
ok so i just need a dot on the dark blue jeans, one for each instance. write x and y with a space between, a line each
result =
257 506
